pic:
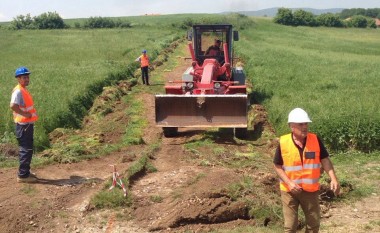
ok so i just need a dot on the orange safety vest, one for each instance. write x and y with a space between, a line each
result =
305 173
28 107
144 60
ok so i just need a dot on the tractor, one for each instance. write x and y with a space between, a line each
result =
212 91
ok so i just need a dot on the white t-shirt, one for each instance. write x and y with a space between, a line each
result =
17 98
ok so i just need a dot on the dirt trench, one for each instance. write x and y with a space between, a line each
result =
181 193
190 192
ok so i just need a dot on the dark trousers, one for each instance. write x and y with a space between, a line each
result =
145 75
24 134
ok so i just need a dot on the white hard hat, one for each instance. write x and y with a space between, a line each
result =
298 115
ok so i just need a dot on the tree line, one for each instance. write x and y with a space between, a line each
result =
358 19
52 20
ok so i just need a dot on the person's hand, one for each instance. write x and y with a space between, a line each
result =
335 187
295 188
27 115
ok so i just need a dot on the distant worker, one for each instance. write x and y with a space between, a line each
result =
214 50
144 61
24 115
298 161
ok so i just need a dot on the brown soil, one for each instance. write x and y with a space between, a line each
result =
184 195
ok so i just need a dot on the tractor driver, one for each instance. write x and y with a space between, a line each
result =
214 50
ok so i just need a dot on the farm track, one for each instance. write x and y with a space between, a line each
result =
182 196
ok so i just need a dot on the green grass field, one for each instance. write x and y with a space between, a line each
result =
64 62
331 73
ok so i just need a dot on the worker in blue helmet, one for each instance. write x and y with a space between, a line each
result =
144 64
24 116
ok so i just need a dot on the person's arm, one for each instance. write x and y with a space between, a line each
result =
294 188
16 108
329 169
278 163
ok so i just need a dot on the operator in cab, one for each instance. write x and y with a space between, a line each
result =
214 50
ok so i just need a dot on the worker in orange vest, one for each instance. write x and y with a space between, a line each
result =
144 61
24 116
298 161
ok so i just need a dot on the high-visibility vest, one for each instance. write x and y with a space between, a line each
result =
28 107
305 173
144 60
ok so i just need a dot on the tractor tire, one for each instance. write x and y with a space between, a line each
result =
170 132
241 133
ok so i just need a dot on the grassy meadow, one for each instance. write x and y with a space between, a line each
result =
69 67
64 63
332 73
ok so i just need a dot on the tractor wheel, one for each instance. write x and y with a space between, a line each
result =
170 131
241 133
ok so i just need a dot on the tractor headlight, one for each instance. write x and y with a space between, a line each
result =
216 85
190 85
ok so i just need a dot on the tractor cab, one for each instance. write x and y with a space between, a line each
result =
209 42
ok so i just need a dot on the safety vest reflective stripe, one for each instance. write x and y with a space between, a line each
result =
306 181
29 107
299 168
292 168
312 166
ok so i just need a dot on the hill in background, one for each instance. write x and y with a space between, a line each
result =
271 12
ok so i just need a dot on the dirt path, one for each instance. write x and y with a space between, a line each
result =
188 193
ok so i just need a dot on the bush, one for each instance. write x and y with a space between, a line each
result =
358 21
50 20
99 22
304 18
329 20
284 16
22 22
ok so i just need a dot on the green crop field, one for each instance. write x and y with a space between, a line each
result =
65 62
332 73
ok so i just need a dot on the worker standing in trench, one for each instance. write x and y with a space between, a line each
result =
144 63
298 161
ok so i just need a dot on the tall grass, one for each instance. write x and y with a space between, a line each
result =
69 68
331 73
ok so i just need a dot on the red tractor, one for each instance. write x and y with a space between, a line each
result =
212 92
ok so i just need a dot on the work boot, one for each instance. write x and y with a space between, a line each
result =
30 179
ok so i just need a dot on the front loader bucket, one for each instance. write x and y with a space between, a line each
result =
227 111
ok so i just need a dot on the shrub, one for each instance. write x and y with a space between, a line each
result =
50 20
304 18
22 22
329 20
357 21
284 16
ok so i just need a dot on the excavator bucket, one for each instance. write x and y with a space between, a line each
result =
228 111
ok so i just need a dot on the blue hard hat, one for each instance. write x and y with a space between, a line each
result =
22 70
144 51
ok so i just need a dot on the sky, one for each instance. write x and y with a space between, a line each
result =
67 9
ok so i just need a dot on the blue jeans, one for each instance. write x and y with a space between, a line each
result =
24 135
145 75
